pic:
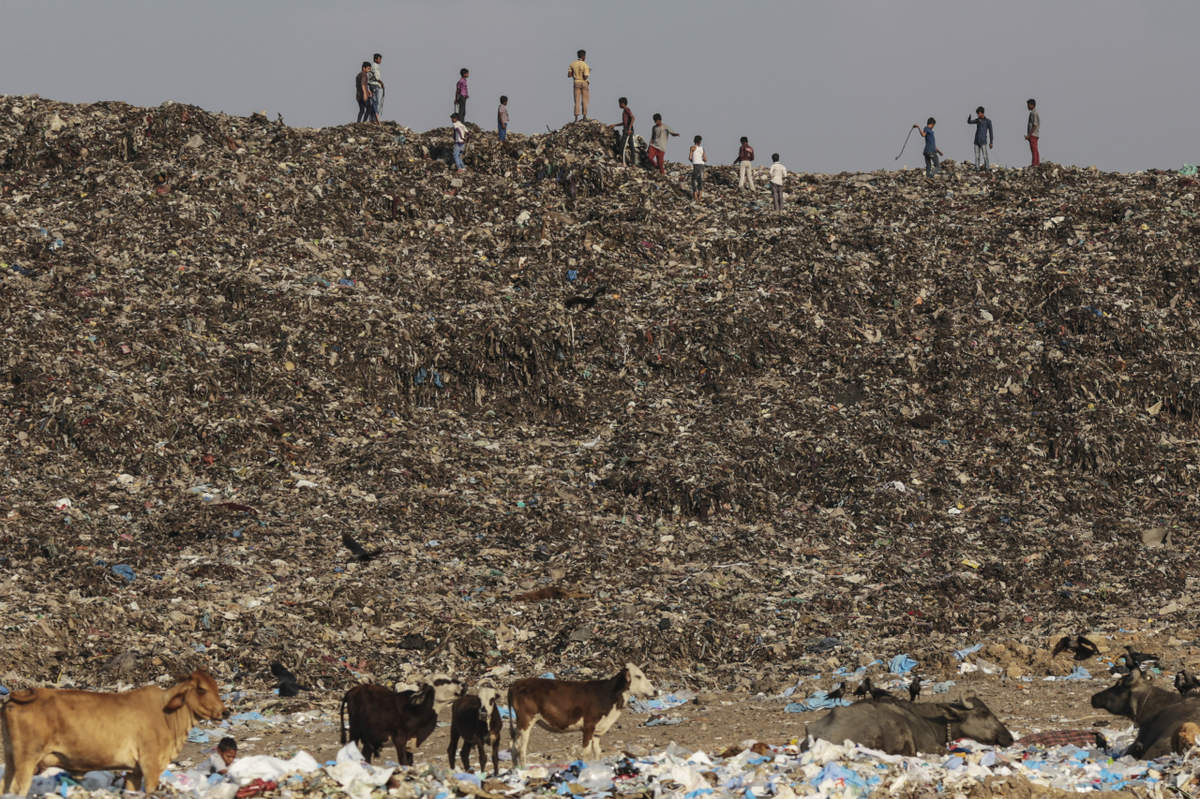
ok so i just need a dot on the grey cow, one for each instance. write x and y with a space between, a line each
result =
1158 713
904 728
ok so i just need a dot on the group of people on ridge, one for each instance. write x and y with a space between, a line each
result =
369 91
984 139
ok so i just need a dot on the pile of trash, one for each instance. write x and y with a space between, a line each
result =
568 416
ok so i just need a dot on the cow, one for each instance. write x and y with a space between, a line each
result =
138 731
377 713
1158 713
476 719
592 706
909 728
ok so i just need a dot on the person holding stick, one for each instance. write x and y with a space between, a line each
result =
931 153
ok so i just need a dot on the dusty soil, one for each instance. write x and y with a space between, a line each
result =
713 722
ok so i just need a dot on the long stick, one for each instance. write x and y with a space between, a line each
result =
906 138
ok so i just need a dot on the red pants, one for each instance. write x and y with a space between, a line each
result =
1034 151
656 157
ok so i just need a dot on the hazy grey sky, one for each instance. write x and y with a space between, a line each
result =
831 84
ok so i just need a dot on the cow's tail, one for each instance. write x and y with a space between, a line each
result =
342 720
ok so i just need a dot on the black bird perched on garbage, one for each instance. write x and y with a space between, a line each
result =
360 554
838 692
1187 684
288 684
914 688
585 302
1080 646
866 688
1135 660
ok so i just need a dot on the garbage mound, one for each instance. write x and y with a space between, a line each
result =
568 417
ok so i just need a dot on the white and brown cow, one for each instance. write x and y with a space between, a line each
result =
591 706
139 731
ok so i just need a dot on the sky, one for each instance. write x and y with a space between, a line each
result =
832 85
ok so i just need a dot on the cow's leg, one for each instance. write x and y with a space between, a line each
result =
482 756
495 756
134 779
151 771
465 755
453 746
521 744
18 778
402 755
590 742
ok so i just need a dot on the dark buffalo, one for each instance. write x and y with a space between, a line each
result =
904 728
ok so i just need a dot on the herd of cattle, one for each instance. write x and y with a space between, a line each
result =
141 731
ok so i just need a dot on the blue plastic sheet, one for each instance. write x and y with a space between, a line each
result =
197 736
818 701
902 664
961 654
638 705
123 571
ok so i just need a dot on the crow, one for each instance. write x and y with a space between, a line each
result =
585 302
288 684
865 687
1077 644
360 554
1135 660
1187 684
914 688
838 692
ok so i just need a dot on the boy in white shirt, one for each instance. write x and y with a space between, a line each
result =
220 760
699 160
777 173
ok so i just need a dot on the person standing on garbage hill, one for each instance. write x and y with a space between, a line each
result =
362 93
983 138
699 161
932 165
580 74
776 175
656 153
502 118
626 123
461 94
745 162
1033 129
376 84
460 141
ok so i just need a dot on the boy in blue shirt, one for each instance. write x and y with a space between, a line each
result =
932 165
983 137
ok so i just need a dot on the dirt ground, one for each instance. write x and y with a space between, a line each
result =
713 722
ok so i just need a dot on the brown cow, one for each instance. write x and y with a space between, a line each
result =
138 731
567 705
475 718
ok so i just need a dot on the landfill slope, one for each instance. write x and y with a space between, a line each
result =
582 419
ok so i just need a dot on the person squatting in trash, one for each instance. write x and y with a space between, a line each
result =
626 123
931 153
460 141
745 162
699 160
656 153
220 761
581 75
983 138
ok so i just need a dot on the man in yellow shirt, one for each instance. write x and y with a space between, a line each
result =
579 72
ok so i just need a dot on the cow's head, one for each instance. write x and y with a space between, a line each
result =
1123 698
636 682
971 718
488 699
446 688
199 692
